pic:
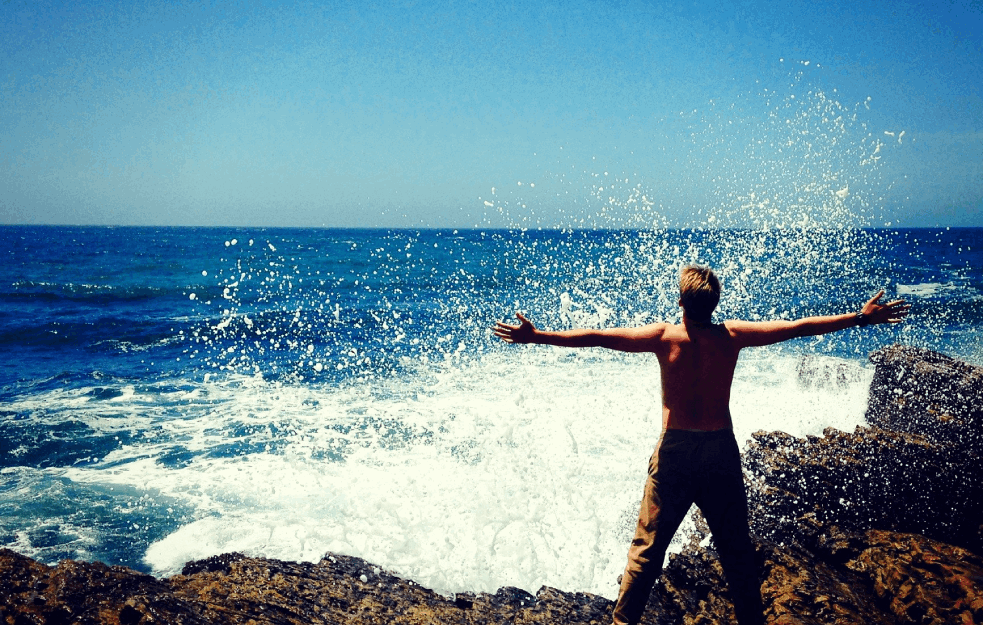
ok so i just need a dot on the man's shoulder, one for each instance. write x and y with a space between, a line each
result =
654 333
738 327
658 326
759 333
668 328
738 324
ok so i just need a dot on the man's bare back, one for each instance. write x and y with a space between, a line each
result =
697 363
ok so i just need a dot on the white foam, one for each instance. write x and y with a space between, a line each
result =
522 468
924 289
798 395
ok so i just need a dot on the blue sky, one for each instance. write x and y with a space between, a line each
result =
462 114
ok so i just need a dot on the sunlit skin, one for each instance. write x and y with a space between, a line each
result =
697 359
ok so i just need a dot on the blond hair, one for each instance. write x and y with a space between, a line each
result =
699 292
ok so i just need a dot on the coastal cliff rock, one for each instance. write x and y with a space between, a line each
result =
85 593
883 526
877 577
916 470
233 589
930 394
833 577
869 479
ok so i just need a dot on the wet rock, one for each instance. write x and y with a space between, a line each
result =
233 589
220 563
797 587
800 587
85 593
930 394
916 471
832 577
869 479
921 580
691 590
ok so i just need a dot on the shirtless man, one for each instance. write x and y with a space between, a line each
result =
697 458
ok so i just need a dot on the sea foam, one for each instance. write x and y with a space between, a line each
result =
522 468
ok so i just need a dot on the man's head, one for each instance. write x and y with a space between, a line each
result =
699 292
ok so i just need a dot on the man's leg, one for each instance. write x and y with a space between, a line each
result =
666 500
723 501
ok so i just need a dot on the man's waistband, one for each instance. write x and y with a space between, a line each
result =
698 434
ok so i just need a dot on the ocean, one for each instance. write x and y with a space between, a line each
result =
168 394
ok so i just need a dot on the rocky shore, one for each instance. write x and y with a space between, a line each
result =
883 525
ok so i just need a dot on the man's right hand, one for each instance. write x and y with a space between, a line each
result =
522 333
892 312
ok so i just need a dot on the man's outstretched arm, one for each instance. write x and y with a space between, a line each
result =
756 334
641 339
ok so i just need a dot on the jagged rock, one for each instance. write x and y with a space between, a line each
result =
797 588
234 589
85 593
921 580
347 589
832 577
803 589
870 479
916 470
691 590
926 393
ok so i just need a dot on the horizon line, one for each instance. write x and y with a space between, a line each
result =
520 229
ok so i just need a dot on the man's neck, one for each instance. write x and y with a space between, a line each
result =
689 321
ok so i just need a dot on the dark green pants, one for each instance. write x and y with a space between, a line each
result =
702 468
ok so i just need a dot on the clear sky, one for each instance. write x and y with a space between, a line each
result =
462 114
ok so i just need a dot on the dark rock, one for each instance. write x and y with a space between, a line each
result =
801 588
917 470
921 580
220 563
870 479
930 394
84 593
258 591
874 577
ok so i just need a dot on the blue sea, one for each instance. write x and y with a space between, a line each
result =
169 394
